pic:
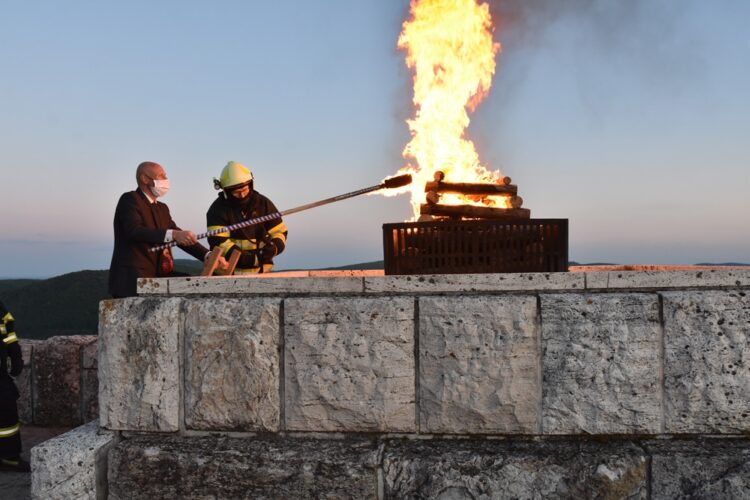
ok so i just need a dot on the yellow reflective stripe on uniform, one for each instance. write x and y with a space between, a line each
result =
7 317
10 431
11 338
245 244
225 246
219 235
3 330
278 231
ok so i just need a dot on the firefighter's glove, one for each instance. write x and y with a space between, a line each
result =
268 251
16 359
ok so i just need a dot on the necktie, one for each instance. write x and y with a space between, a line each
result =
166 263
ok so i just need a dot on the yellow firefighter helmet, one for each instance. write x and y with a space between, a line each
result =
233 176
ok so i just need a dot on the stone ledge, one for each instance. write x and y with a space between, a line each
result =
437 283
373 282
73 465
250 285
702 278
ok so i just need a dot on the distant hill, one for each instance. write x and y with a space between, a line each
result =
63 305
6 285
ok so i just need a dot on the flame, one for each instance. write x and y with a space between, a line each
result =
450 49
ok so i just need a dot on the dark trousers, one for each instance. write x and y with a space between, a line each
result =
10 428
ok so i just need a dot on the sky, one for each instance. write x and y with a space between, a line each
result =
630 119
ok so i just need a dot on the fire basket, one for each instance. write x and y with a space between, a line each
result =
475 239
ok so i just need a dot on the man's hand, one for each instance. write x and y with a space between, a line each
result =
184 238
222 266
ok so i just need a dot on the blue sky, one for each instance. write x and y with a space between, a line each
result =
629 118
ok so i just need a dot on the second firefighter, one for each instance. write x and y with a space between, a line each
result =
238 201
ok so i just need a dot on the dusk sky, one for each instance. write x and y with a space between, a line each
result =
629 118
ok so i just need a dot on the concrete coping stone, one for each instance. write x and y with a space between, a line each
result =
73 465
373 281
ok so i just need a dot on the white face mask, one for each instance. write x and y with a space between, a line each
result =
160 187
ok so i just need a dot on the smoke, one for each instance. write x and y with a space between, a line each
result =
635 36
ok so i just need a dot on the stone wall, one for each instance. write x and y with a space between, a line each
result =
474 386
59 385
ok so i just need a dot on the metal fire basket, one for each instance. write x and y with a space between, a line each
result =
476 246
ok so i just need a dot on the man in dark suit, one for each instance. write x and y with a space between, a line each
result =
140 223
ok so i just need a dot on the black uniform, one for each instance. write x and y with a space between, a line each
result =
10 427
258 243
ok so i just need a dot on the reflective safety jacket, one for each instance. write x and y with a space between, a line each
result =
249 239
10 437
9 346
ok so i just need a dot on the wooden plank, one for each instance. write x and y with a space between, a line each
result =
470 211
234 257
471 188
211 261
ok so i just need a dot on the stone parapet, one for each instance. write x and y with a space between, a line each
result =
428 355
615 384
373 282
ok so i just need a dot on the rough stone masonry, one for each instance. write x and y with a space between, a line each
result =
571 385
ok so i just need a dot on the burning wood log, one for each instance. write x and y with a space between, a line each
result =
439 175
472 212
471 188
516 201
432 197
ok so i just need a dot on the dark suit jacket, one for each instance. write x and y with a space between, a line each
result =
139 225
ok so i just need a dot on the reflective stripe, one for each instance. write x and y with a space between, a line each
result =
10 431
278 231
7 317
3 330
225 246
218 235
10 338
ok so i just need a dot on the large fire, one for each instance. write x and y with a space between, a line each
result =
450 49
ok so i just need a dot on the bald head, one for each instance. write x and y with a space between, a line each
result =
147 171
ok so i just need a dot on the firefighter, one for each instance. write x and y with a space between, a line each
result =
238 201
10 427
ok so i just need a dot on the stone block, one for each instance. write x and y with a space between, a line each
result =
153 286
242 468
57 381
89 354
707 369
139 364
479 364
23 382
89 395
349 364
464 469
73 465
701 278
255 285
232 364
438 283
702 469
601 364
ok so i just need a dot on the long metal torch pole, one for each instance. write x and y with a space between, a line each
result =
393 182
